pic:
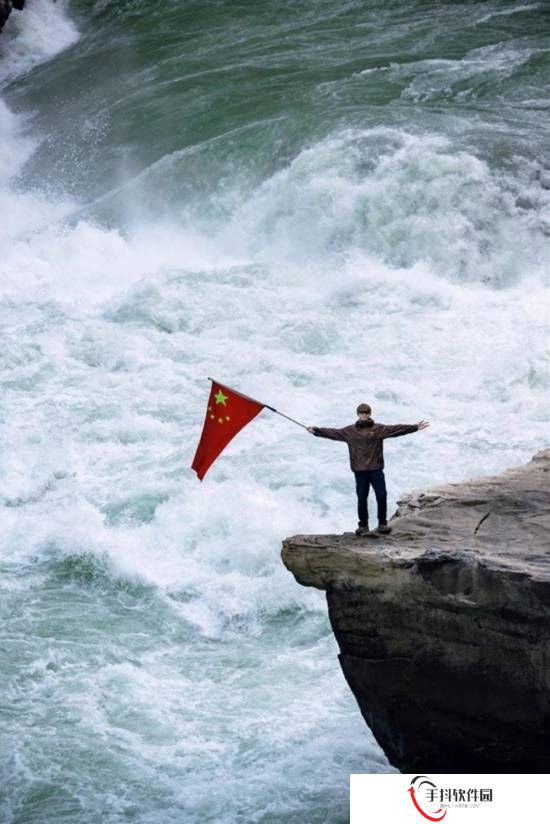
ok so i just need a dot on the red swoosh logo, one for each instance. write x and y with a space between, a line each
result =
421 811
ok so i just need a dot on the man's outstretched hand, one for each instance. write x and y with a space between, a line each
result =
311 429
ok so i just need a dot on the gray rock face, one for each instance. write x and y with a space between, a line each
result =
444 625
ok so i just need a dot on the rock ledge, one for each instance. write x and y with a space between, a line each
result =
444 625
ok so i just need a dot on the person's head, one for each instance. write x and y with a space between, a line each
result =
364 412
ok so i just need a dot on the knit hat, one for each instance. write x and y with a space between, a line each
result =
364 407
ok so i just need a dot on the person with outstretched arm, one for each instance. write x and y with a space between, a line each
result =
365 440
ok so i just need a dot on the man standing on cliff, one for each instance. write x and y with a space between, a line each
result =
365 440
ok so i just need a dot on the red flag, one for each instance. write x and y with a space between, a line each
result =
227 413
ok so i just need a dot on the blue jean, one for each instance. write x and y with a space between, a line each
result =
363 481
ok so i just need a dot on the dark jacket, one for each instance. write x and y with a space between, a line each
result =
365 441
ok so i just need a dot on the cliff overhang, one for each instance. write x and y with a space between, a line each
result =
444 625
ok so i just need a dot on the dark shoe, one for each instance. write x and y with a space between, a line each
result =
361 531
383 529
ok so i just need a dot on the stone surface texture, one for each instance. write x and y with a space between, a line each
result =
444 625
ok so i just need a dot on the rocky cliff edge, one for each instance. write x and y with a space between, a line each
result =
444 625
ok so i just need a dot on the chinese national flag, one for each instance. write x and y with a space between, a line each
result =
227 413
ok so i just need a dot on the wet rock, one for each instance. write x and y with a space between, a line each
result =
444 625
6 7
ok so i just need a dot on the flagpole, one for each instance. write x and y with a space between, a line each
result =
264 405
282 414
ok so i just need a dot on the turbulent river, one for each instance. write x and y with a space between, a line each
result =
317 203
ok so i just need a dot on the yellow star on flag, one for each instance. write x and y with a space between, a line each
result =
219 427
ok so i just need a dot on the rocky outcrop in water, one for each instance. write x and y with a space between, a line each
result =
444 625
6 7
